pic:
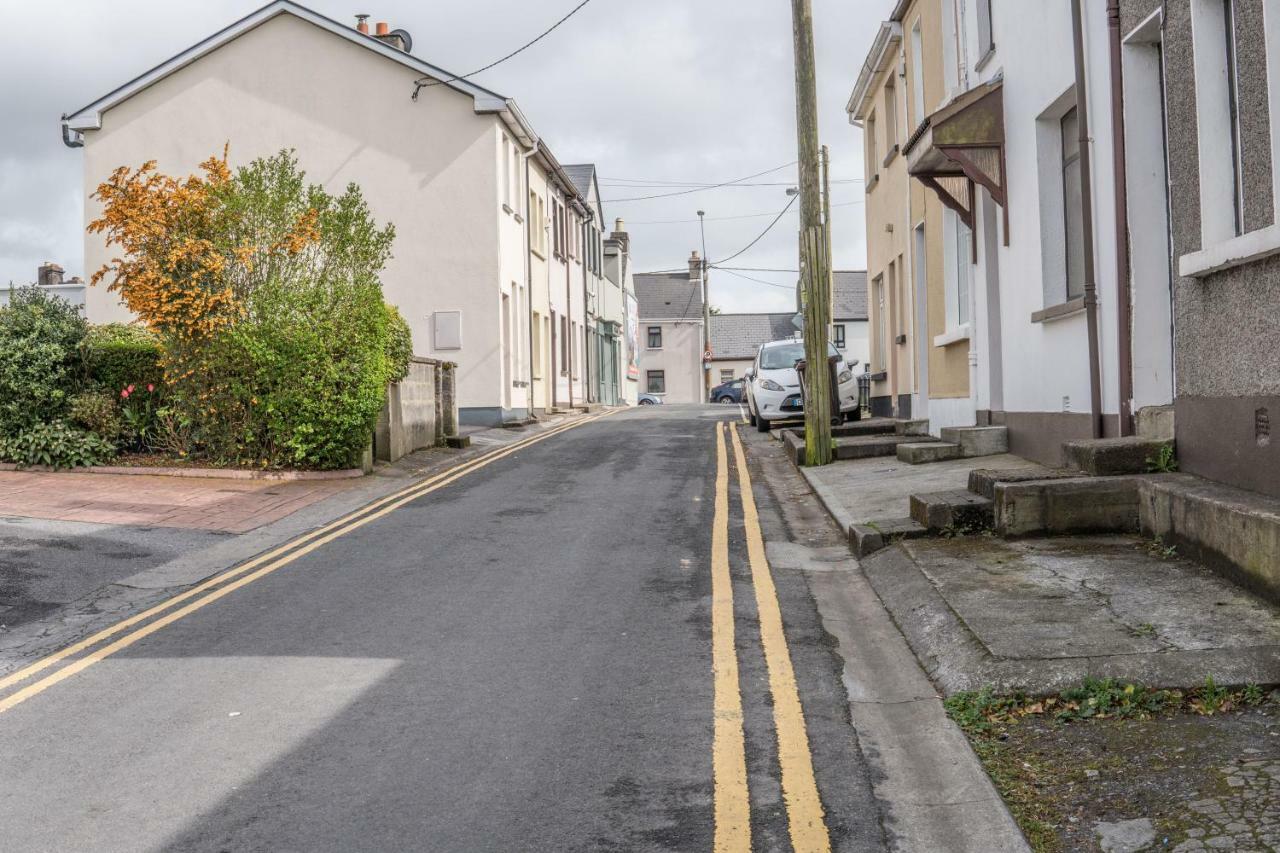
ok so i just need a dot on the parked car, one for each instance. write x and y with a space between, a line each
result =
649 400
773 384
729 392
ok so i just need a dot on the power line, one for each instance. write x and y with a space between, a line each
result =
728 218
424 82
757 280
762 233
702 189
704 185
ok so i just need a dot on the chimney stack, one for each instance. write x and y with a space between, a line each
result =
399 39
695 266
362 23
620 235
382 29
49 274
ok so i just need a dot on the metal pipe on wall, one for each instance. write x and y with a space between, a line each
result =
1086 205
1124 309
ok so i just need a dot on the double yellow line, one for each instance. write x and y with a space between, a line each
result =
805 817
209 591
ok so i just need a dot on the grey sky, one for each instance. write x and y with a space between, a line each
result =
669 90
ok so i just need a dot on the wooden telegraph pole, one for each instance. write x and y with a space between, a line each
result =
815 267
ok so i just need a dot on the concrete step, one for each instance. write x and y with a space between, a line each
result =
921 452
978 440
1067 505
869 426
911 427
519 423
959 508
983 481
865 446
457 442
1109 457
873 535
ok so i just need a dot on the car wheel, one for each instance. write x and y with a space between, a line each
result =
646 402
762 425
727 399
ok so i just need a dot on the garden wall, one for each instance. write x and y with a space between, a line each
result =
420 411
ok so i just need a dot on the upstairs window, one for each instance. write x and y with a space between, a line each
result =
1072 203
655 337
986 35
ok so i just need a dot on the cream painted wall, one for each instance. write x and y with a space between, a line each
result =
428 166
680 358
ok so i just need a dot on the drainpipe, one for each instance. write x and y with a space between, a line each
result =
528 264
1086 204
568 306
1124 308
71 138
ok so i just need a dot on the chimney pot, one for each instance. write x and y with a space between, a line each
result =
383 28
362 23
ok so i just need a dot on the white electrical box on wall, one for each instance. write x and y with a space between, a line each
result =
447 329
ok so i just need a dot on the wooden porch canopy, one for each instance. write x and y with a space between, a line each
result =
961 145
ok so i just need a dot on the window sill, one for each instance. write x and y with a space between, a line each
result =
506 208
871 184
1070 308
1231 253
986 57
537 252
519 218
879 376
888 158
953 336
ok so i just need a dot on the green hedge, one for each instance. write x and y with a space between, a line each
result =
40 337
117 356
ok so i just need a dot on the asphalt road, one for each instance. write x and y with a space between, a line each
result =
521 659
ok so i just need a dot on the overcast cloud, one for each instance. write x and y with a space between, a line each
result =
659 90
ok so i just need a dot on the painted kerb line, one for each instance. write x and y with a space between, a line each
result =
805 817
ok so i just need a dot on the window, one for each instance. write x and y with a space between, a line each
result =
1217 119
917 75
726 375
838 335
1072 203
506 171
656 381
890 117
1233 103
873 162
564 346
986 36
882 323
536 328
655 337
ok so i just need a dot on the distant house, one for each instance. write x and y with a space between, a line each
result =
850 326
670 314
497 247
735 339
49 279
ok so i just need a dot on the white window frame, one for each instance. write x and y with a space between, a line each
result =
917 73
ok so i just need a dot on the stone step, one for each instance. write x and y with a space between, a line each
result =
911 427
1067 505
519 423
1109 457
457 442
983 481
921 452
939 511
871 536
978 440
865 446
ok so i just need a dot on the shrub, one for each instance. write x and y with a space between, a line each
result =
399 344
283 347
55 444
117 356
40 337
98 413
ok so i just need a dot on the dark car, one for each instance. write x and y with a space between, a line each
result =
729 392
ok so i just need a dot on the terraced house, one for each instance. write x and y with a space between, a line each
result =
498 248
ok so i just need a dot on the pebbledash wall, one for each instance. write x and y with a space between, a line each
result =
431 167
1226 289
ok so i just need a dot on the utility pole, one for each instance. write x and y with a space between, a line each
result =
826 221
815 274
706 314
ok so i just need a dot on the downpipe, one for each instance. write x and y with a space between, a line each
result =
1124 302
1086 196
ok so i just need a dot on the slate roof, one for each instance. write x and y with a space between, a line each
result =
850 295
739 336
581 174
668 296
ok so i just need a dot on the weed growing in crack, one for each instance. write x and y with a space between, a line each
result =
1165 461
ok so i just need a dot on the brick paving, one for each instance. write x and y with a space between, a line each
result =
229 506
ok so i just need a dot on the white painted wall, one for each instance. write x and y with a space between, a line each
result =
857 337
680 358
1047 363
428 166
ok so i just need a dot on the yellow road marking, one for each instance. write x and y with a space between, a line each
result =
316 538
729 756
805 816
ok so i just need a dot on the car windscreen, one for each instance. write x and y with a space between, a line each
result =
786 355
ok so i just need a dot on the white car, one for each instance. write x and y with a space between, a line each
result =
773 386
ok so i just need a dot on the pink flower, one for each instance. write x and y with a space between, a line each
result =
150 388
124 394
130 389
